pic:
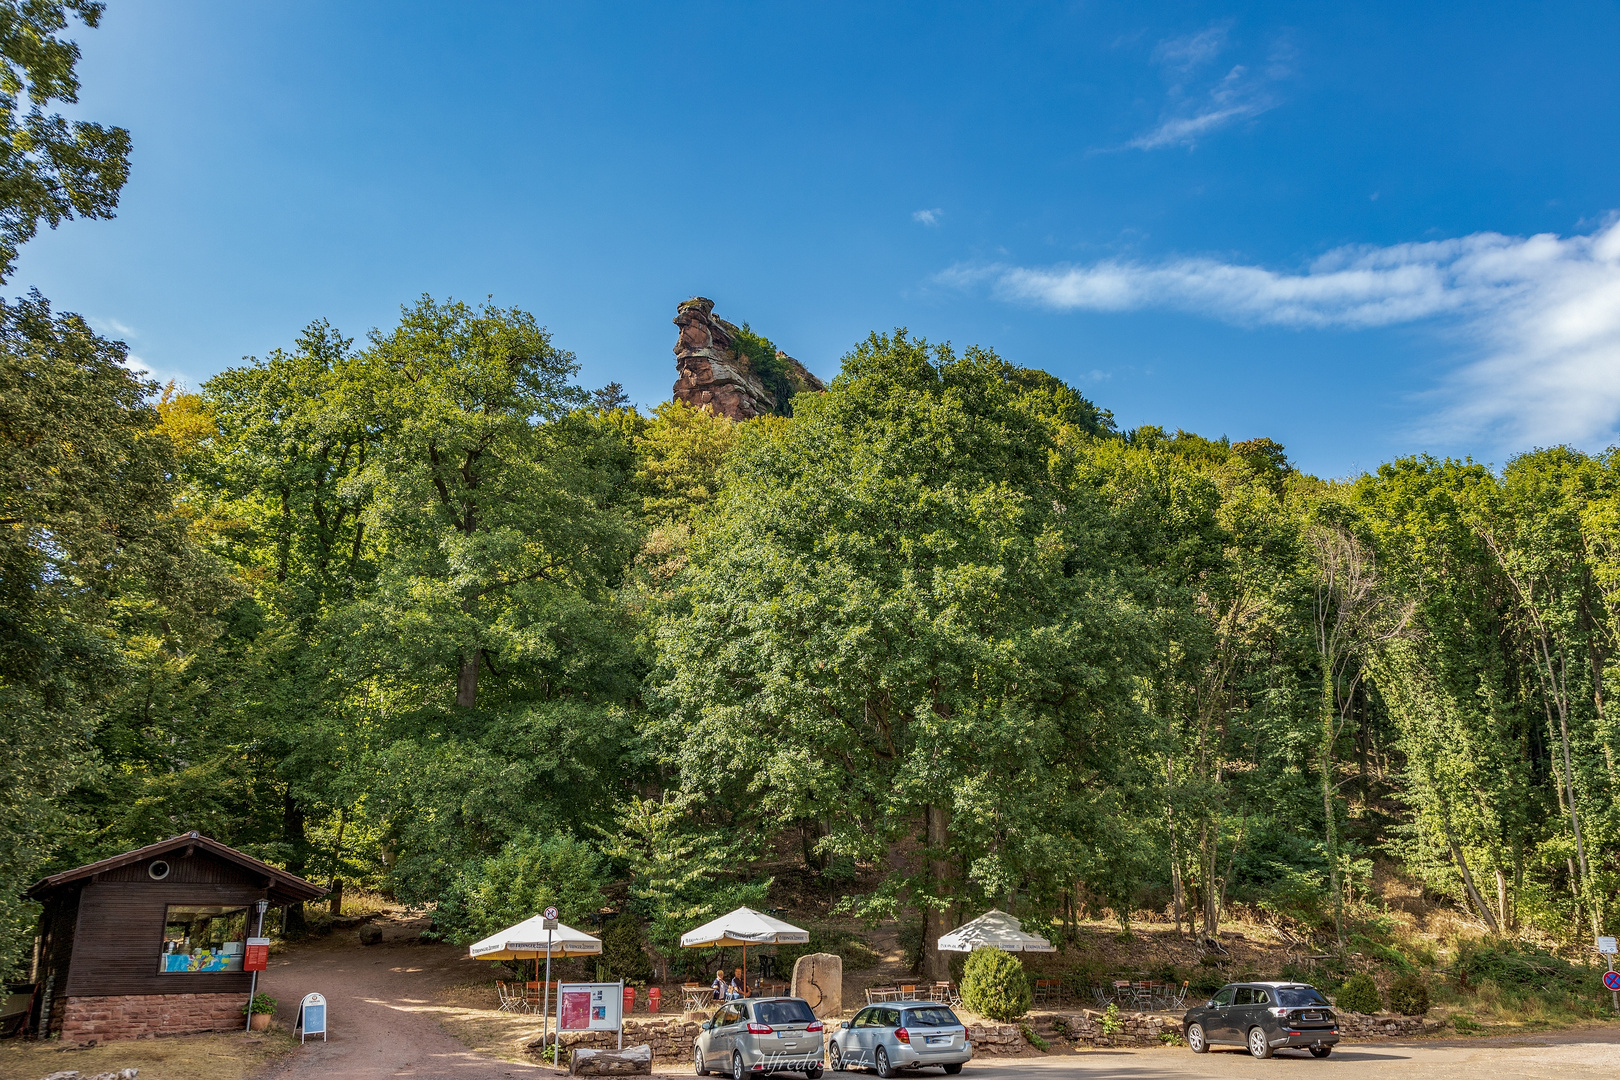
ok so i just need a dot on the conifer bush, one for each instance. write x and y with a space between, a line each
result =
1359 994
994 985
1409 995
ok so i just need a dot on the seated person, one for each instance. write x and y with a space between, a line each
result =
735 990
719 986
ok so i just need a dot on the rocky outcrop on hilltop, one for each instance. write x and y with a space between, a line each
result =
731 371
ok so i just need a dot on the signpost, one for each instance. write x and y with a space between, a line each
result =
255 958
1611 979
590 1007
312 1017
549 921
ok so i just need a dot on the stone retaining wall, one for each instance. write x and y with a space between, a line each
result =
1084 1028
147 1016
671 1039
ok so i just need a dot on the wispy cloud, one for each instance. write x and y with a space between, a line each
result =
928 217
1542 313
1195 107
112 328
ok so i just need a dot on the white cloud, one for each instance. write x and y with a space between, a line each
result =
1542 312
112 328
928 217
1193 111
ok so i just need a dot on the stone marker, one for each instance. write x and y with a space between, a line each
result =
819 979
631 1061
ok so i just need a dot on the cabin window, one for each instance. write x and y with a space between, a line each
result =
199 939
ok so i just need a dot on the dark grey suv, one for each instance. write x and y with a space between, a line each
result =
1264 1016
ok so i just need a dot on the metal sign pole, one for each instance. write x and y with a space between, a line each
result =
546 991
253 987
1615 994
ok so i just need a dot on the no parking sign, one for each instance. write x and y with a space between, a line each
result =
1611 979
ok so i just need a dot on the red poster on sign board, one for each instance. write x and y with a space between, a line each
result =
256 957
576 1010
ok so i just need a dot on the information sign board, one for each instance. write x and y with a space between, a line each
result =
1607 945
590 1006
312 1017
256 957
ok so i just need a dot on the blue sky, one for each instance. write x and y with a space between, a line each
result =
1363 230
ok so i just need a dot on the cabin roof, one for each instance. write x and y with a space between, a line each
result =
284 887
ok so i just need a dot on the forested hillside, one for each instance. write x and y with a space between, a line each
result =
419 614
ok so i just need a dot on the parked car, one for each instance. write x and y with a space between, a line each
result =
1263 1016
902 1035
760 1035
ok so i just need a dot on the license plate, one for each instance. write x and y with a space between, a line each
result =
938 1040
1311 1016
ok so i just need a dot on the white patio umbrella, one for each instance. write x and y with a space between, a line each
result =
994 929
530 940
744 927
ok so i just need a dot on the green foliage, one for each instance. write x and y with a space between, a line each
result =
259 1005
760 353
1110 1022
1032 1038
529 874
1409 995
55 167
994 985
623 950
1359 994
1511 964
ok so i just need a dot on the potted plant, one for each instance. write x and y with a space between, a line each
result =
260 1008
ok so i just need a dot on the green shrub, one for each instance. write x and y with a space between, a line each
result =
1110 1023
261 1003
622 952
1409 995
1509 964
1359 994
994 985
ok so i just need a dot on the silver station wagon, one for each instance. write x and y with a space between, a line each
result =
758 1036
903 1035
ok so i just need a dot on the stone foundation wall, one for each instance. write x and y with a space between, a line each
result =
147 1016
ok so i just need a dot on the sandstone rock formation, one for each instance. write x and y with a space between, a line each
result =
713 373
818 978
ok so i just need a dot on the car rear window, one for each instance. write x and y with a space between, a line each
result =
931 1018
1295 997
783 1012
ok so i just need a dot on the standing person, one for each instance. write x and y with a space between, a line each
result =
719 985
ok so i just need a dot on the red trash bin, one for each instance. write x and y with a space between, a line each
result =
629 1000
653 994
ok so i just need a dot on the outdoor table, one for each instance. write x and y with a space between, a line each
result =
881 993
695 997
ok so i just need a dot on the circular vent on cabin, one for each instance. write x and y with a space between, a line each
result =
158 870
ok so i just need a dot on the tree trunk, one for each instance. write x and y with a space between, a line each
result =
1329 810
467 682
934 965
1467 876
292 833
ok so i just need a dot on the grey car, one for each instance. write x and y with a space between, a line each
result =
1263 1016
758 1036
901 1035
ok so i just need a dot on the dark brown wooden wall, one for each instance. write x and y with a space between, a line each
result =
118 938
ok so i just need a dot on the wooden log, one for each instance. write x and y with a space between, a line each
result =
631 1061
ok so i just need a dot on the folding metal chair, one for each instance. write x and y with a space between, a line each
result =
510 1001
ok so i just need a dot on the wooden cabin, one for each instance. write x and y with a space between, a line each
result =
151 942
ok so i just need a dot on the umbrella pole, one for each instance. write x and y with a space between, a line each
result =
745 969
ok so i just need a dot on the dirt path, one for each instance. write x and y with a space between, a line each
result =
381 1011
